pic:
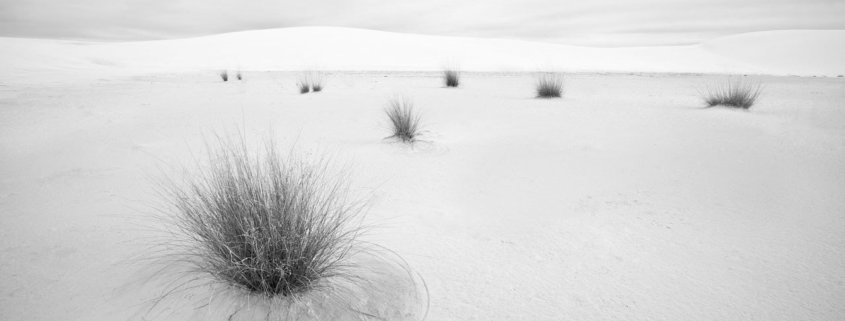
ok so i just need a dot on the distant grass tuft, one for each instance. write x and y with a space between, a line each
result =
239 76
549 85
452 77
735 93
404 120
224 75
267 225
317 82
304 85
311 81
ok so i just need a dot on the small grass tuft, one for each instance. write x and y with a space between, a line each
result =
735 93
452 77
311 81
317 81
549 85
224 75
405 122
304 85
239 76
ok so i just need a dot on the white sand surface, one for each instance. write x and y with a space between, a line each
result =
625 200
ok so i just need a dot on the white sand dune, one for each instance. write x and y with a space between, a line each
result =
776 52
789 52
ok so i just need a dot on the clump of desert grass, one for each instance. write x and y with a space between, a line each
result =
268 225
317 81
303 85
258 235
224 75
734 93
311 82
549 85
452 77
239 75
404 120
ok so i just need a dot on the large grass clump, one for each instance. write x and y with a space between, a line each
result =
267 225
404 121
549 85
735 93
452 77
224 75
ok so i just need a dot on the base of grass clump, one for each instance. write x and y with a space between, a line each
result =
549 85
266 234
734 93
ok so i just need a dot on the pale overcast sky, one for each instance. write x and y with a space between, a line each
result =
584 22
